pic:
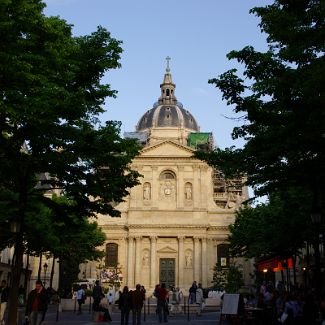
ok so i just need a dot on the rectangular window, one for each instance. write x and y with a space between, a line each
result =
111 255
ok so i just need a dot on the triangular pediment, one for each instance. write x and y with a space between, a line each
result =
167 249
167 149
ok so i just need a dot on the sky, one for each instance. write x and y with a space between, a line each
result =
196 34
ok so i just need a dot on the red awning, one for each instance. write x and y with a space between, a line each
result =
276 264
269 264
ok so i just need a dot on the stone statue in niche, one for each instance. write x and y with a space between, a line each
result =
188 259
146 192
188 191
145 259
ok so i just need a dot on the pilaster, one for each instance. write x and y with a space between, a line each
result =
153 249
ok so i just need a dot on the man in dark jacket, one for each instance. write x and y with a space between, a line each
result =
138 298
36 306
97 292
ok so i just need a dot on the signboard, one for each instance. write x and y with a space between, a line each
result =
230 304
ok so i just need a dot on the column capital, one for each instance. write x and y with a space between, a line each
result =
153 238
138 238
196 238
180 238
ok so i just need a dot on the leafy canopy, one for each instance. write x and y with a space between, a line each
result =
51 138
281 94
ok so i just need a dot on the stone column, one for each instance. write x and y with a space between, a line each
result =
130 282
204 262
196 259
153 249
181 261
137 259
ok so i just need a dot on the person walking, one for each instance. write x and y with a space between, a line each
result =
138 298
110 300
4 295
97 293
81 295
125 305
162 303
36 306
192 291
199 298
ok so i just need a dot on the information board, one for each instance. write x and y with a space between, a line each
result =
230 304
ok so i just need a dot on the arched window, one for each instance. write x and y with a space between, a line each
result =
167 92
167 175
111 255
223 255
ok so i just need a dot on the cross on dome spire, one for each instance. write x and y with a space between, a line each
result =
168 59
167 88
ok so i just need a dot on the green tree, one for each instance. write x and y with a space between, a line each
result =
281 102
280 99
277 227
219 279
229 279
51 97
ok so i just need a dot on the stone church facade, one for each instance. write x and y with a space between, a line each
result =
174 224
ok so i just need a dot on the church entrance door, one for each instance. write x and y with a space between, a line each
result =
167 272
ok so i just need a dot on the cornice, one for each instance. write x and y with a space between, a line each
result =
163 158
159 144
165 226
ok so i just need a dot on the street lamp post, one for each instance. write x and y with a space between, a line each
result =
45 266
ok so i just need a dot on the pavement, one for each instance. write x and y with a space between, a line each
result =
71 318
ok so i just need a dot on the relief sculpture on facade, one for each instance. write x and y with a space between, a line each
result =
167 190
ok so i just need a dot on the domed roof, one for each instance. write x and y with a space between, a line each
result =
167 116
167 112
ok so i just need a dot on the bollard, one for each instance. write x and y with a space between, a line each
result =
184 309
188 310
148 306
57 311
89 304
144 312
75 306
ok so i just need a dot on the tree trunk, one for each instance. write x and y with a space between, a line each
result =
14 287
39 267
294 256
26 277
52 272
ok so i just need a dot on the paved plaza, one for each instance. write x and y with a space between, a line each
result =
69 317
